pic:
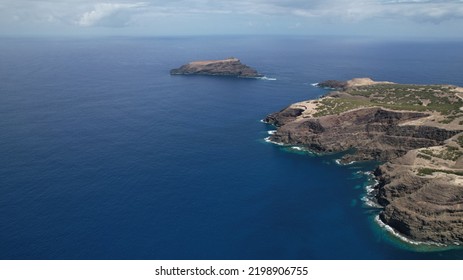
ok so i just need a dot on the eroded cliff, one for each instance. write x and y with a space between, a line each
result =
416 129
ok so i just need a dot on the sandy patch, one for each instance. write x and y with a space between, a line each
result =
309 107
364 82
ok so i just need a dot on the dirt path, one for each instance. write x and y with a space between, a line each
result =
460 95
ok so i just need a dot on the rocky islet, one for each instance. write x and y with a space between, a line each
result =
225 67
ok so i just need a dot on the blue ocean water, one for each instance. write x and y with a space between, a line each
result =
104 155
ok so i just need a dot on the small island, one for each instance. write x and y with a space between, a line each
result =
225 67
416 131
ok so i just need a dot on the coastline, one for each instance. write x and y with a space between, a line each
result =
300 123
369 200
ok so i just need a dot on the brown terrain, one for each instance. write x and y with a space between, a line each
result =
226 67
416 130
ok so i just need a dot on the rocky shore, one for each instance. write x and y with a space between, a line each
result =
415 130
226 67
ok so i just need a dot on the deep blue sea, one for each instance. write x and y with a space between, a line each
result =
104 155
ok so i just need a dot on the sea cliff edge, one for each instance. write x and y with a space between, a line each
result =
415 130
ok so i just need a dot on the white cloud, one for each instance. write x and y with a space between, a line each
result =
120 12
112 14
150 15
344 10
433 11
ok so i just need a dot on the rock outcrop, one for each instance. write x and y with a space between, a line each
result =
342 85
226 67
375 133
427 208
332 84
420 141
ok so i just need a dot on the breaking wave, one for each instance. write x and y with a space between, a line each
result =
265 78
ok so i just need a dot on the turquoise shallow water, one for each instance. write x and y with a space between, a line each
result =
104 155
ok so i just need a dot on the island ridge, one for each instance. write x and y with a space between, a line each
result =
225 67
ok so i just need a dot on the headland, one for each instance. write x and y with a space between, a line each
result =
416 131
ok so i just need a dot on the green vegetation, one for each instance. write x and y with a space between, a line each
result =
430 171
460 140
437 98
451 118
449 153
424 156
334 106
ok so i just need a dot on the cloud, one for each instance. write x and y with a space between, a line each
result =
109 14
423 10
358 10
126 13
343 10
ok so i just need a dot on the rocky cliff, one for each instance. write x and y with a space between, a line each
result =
226 67
416 130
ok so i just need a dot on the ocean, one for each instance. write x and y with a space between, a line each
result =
104 155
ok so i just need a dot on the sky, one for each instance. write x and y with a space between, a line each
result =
383 18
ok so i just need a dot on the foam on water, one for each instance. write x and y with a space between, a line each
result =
369 199
267 139
404 238
265 78
338 161
370 203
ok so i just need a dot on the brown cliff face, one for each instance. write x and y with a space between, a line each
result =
421 183
428 209
375 133
333 84
226 67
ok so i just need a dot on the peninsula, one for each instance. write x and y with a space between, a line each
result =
225 67
415 130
